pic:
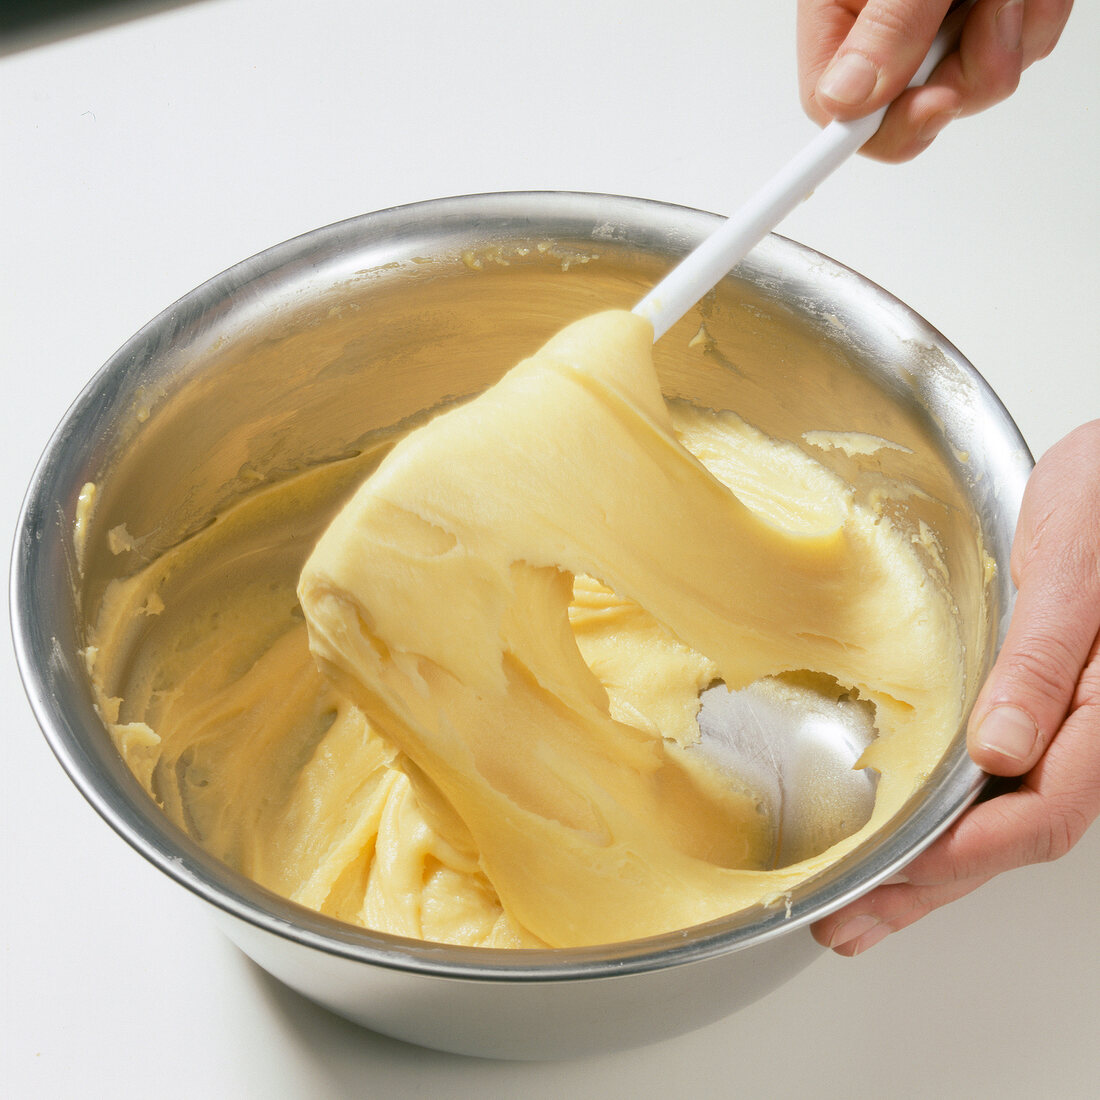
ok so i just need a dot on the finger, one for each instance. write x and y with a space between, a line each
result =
885 910
999 40
822 27
1056 622
1041 821
984 70
914 121
1043 25
885 45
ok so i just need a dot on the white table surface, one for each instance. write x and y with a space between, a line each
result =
140 158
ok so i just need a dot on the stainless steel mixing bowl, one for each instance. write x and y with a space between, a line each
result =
294 356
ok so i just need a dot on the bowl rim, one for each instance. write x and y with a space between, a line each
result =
159 841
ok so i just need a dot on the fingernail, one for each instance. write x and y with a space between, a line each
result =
1008 731
931 129
852 929
896 880
1009 21
849 80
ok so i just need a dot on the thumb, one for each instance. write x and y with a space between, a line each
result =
1056 566
882 51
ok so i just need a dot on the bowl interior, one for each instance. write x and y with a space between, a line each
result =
306 353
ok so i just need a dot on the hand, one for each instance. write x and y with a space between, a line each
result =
1037 716
854 56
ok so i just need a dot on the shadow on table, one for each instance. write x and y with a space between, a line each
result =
28 23
347 1054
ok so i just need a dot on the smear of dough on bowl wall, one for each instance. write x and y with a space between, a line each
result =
469 714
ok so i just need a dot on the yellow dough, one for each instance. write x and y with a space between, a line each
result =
510 622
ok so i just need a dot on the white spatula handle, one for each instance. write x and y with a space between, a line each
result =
702 268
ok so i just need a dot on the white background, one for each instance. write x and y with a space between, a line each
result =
137 160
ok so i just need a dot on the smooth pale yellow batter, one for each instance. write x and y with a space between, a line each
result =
510 623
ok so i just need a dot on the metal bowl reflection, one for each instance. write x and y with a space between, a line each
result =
290 357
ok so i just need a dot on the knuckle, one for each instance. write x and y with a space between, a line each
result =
1072 564
888 22
1004 81
1062 830
884 27
1086 698
1042 671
